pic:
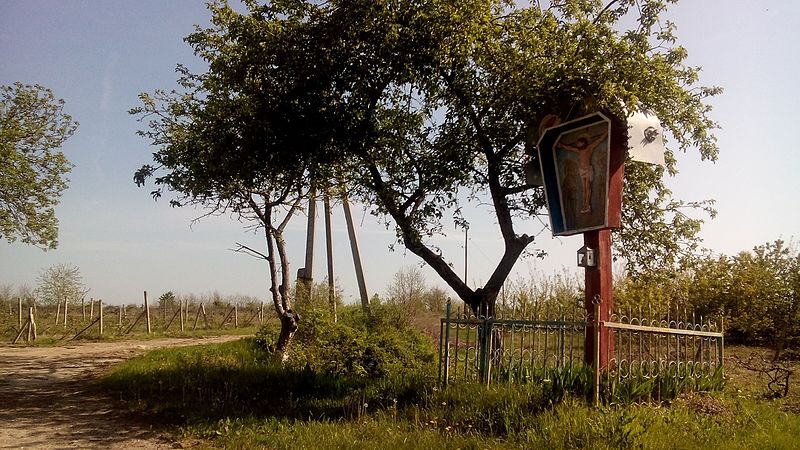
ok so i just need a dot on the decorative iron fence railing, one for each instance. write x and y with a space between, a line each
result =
646 348
497 349
516 348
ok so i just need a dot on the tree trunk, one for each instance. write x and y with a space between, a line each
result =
289 321
276 255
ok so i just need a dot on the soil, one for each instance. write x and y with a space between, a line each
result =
46 401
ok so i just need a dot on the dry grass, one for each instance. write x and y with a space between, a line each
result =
747 383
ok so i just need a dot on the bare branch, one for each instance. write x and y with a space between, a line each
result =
241 248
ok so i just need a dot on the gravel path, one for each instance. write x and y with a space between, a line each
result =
44 402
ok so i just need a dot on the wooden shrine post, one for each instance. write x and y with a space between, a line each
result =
582 166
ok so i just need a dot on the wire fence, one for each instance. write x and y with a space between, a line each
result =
28 321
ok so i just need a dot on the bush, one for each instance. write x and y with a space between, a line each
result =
756 291
357 345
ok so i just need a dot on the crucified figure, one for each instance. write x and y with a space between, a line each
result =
584 149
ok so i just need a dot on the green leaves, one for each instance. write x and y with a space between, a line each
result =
427 107
755 291
33 127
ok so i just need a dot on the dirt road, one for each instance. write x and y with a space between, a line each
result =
45 404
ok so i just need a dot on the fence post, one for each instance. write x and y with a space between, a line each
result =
447 343
562 335
119 313
58 310
721 341
235 316
100 306
91 308
28 326
180 312
19 307
147 312
197 317
488 348
32 323
83 309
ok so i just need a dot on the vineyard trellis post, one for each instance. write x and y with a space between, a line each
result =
147 312
31 324
30 327
200 310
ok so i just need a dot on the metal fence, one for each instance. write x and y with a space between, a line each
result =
683 346
509 349
524 344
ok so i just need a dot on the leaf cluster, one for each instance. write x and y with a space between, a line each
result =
33 128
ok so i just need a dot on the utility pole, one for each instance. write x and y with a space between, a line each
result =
329 248
351 233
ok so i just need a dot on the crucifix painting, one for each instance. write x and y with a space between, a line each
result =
581 158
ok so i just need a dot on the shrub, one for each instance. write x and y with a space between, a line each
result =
358 345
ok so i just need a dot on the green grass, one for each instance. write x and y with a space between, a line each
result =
234 395
569 425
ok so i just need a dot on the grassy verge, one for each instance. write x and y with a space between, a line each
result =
233 395
569 425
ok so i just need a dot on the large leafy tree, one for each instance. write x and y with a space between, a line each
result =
33 127
223 144
427 107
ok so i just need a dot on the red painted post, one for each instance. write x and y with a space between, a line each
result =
600 279
599 285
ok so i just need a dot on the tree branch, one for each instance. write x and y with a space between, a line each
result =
241 248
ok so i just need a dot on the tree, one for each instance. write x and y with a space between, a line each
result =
435 299
33 127
215 149
408 289
61 282
755 291
426 108
486 85
167 300
763 295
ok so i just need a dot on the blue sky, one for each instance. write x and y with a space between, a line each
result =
98 55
